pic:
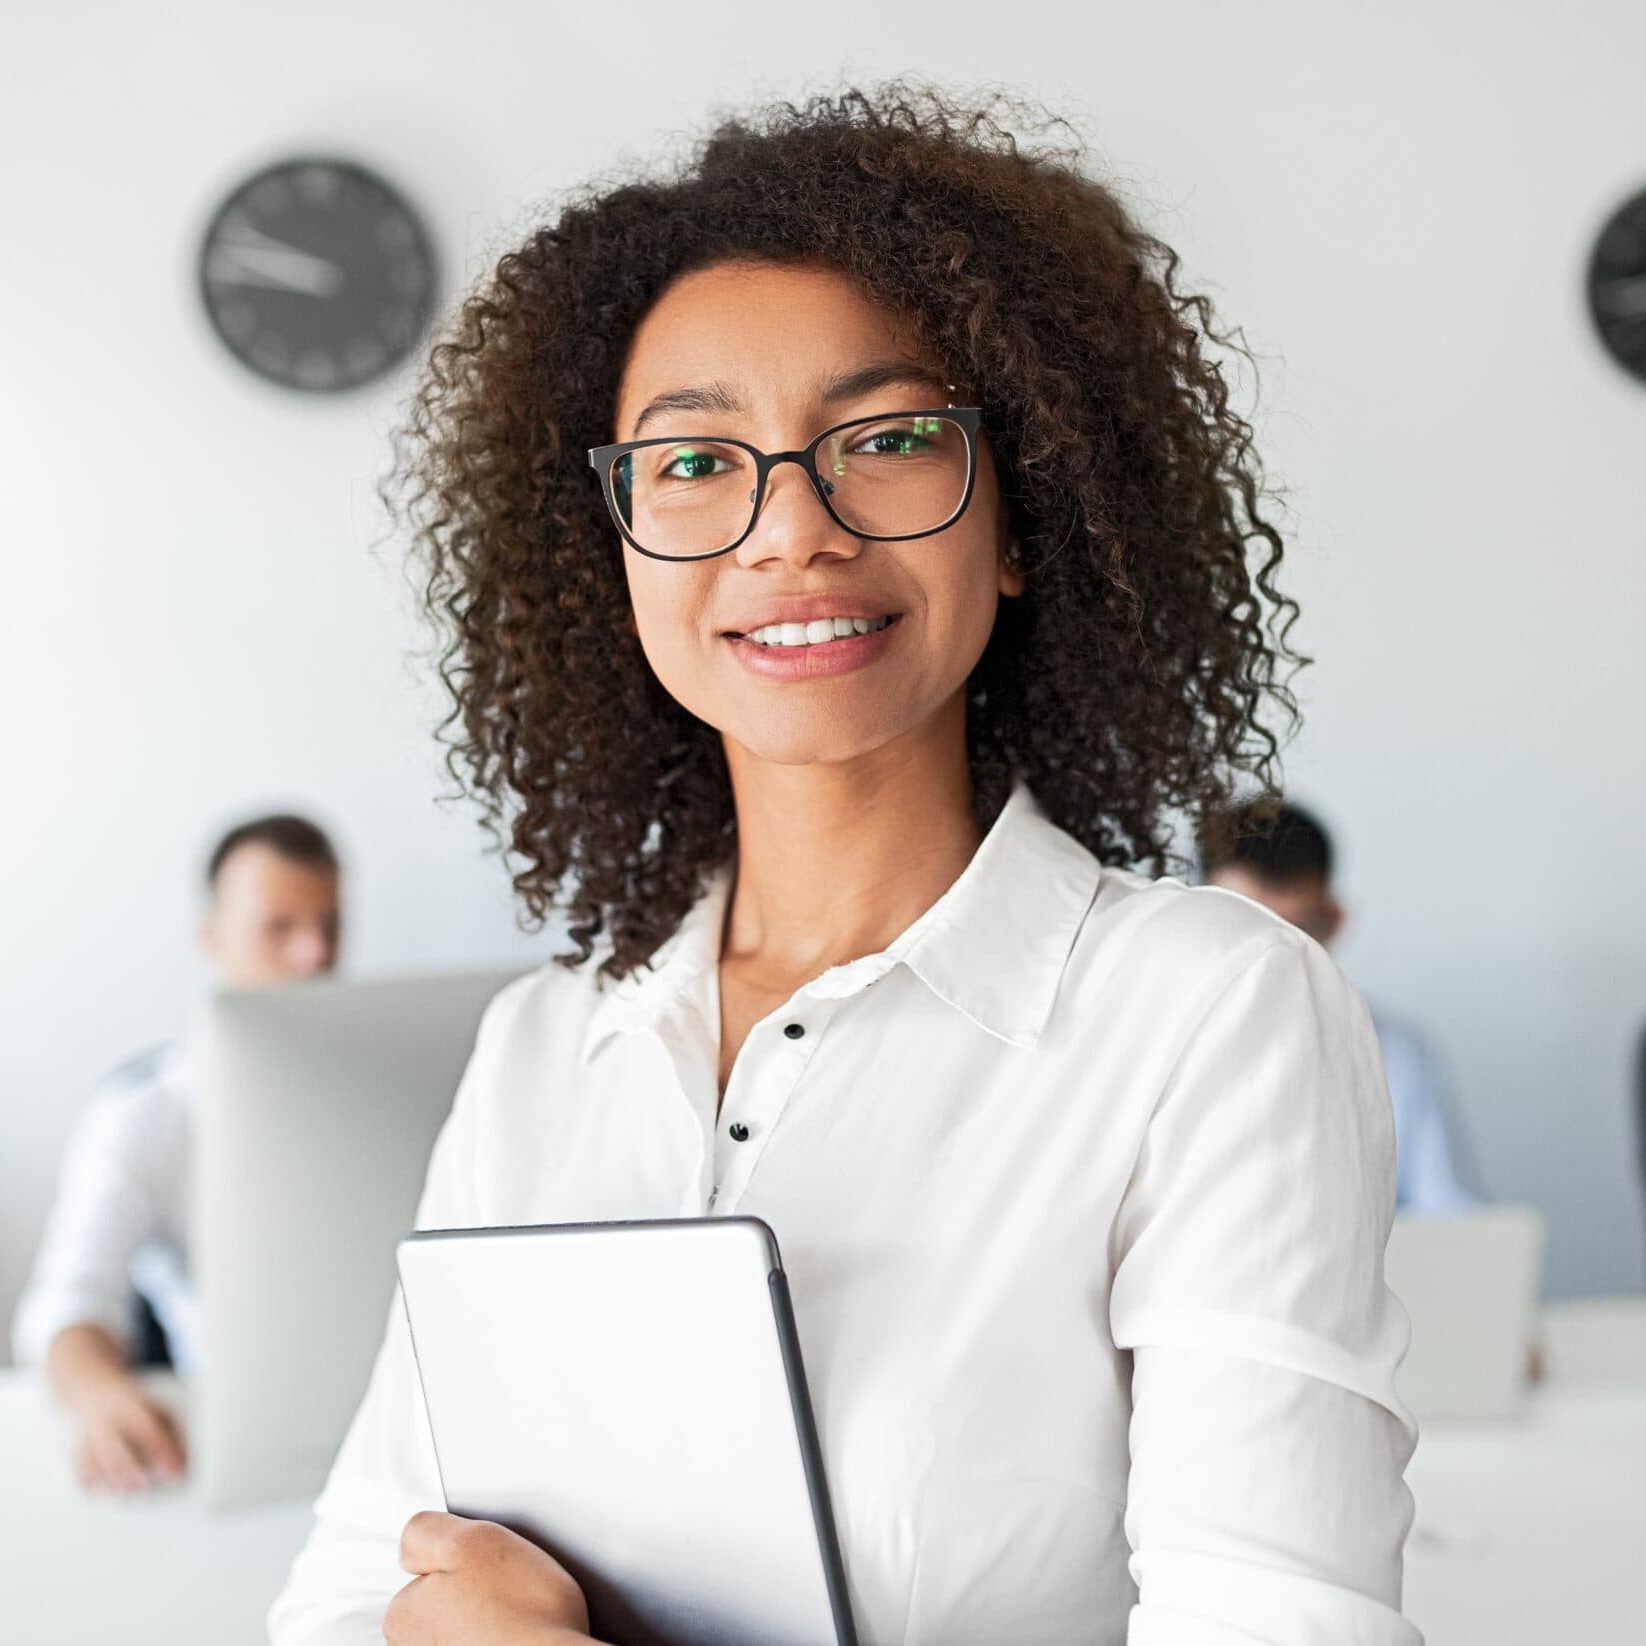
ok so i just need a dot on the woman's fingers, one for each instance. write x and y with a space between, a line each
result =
435 1542
476 1580
400 1619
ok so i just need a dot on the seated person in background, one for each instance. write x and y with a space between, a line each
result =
1288 868
118 1222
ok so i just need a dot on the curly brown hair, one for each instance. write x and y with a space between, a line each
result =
1131 681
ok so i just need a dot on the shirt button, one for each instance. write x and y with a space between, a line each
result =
738 1132
793 1030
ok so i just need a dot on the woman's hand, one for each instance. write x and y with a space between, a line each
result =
473 1581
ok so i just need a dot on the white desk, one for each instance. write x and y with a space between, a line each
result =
1535 1531
1527 1533
154 1570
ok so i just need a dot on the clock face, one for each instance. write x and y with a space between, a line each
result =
1617 285
317 275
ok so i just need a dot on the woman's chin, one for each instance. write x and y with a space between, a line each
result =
812 740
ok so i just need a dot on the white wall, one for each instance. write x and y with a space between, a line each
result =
1395 205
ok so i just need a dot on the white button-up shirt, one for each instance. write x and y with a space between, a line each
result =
120 1219
1082 1186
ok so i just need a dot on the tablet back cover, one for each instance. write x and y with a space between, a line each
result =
627 1395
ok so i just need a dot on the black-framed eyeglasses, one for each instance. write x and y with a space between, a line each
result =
889 478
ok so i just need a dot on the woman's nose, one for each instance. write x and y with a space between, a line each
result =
793 525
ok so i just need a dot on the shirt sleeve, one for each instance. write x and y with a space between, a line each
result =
385 1471
1265 1500
104 1209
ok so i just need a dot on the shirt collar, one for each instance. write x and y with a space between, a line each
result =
643 997
993 946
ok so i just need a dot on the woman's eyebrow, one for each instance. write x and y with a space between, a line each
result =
708 397
843 386
882 374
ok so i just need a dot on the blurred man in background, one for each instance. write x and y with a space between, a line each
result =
1287 867
117 1229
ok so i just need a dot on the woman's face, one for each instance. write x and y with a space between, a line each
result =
764 344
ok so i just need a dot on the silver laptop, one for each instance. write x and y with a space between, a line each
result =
1471 1286
319 1104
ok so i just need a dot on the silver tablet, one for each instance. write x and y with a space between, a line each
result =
630 1397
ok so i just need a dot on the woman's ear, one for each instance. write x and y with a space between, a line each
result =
1011 579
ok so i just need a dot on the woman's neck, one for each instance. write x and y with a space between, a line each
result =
834 861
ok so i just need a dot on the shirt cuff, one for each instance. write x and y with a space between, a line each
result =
42 1315
1204 1600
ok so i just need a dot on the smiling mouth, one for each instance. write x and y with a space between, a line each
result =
821 631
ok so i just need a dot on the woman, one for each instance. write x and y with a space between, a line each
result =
1082 1179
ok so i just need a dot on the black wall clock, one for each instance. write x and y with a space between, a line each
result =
1617 285
317 275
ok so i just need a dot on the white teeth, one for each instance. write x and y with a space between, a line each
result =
817 632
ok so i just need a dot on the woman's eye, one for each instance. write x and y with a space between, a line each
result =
690 465
893 443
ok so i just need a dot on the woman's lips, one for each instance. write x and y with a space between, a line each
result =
816 662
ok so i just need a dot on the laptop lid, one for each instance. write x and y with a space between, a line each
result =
1470 1285
319 1104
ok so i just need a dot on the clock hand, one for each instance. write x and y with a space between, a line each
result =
1623 299
237 230
265 262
